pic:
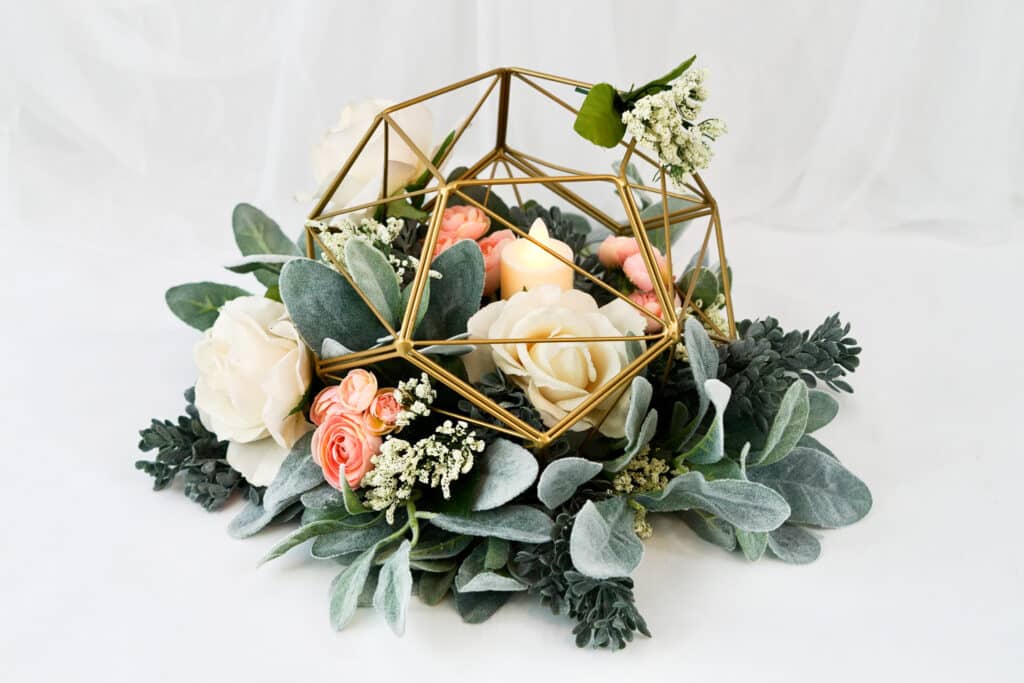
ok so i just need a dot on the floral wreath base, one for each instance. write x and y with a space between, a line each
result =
392 474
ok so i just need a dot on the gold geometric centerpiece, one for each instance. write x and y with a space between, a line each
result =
610 193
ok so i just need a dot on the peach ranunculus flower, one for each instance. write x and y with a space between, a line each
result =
343 446
461 223
636 270
492 246
382 415
649 301
356 391
614 251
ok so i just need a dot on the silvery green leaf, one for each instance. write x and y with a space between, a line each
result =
704 364
787 427
710 448
793 544
301 535
752 543
498 550
693 260
809 441
641 423
455 297
252 519
369 586
198 303
323 496
677 427
559 480
603 543
512 522
504 471
331 348
375 276
350 540
476 608
711 529
353 505
394 588
474 577
324 304
823 408
657 234
433 566
257 233
271 263
433 587
745 504
726 468
705 290
298 473
346 588
820 491
439 548
424 303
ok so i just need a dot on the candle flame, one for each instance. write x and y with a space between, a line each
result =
539 231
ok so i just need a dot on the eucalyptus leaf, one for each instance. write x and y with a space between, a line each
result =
257 233
456 296
600 116
747 505
820 491
433 587
809 441
603 543
394 588
793 544
347 587
512 522
375 277
788 425
504 470
752 543
822 409
710 448
559 480
198 303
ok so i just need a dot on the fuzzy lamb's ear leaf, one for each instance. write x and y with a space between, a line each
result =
823 408
641 423
323 304
347 587
711 529
456 296
604 543
198 303
375 276
504 471
752 543
747 505
821 492
788 426
357 534
424 306
474 577
476 608
257 233
710 448
512 523
793 544
704 364
559 480
433 587
301 535
394 588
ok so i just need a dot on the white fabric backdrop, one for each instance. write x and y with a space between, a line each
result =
873 165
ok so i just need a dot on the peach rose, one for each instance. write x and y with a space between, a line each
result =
381 416
492 246
636 270
357 390
614 251
649 301
343 445
461 223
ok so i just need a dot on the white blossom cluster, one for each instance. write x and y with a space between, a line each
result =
666 122
717 317
436 461
415 396
336 235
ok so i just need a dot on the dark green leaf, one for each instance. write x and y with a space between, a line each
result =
600 116
198 303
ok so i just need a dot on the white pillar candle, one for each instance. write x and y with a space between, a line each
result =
524 265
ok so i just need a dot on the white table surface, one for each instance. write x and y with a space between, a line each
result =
103 579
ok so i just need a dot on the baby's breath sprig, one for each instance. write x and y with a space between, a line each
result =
415 396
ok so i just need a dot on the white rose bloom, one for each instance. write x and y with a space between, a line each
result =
362 184
253 371
558 376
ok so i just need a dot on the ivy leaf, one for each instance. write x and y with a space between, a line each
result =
394 588
512 522
347 587
505 470
198 303
559 480
600 116
788 426
257 233
603 543
747 505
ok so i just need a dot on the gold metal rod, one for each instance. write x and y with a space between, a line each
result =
441 91
674 217
325 198
521 72
687 300
384 178
668 229
535 180
532 340
501 134
331 367
494 170
724 265
378 202
668 311
704 316
553 166
515 188
473 420
693 199
703 191
423 270
466 122
624 164
415 150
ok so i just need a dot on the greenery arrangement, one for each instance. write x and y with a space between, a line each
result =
414 490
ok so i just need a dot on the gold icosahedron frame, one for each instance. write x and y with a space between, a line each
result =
560 180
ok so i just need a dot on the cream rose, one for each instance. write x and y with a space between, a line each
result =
253 371
362 183
557 376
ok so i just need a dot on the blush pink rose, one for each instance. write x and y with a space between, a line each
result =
649 301
327 402
381 416
461 223
636 270
342 446
357 390
492 246
614 251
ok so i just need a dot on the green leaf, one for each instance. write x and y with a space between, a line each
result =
504 471
660 83
603 543
498 551
822 410
350 540
793 544
424 178
600 116
723 469
456 296
710 448
324 496
707 288
433 566
752 543
394 588
512 522
820 491
747 505
439 545
711 529
372 274
300 535
474 576
640 423
353 505
257 233
424 304
703 358
433 587
270 263
559 480
788 426
476 608
198 303
323 305
676 227
346 588
401 208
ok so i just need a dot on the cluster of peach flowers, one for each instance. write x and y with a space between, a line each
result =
623 253
470 223
351 419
